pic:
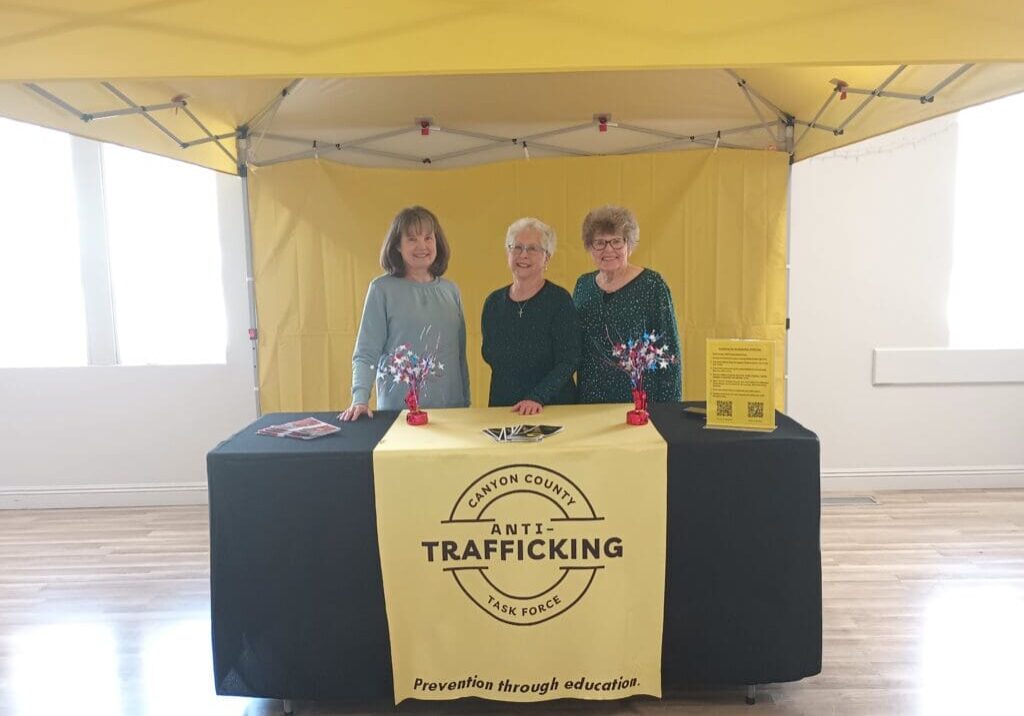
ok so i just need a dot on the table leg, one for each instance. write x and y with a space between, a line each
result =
751 694
287 708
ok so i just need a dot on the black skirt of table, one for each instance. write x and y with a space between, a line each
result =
297 599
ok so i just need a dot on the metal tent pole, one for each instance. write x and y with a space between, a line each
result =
783 116
319 147
210 136
789 273
145 114
813 123
874 93
930 95
242 147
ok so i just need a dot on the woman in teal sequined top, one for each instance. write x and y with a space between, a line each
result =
530 334
617 302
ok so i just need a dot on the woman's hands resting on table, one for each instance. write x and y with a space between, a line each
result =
354 411
527 407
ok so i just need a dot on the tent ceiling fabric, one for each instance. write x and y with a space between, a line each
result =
488 71
475 118
101 39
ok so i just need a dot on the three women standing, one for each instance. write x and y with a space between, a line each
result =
534 335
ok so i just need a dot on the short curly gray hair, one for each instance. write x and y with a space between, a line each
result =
548 240
611 220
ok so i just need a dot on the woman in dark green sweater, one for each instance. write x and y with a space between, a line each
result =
617 302
530 332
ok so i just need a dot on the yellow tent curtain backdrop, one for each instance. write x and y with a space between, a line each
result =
713 223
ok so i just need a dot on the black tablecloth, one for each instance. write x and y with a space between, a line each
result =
297 598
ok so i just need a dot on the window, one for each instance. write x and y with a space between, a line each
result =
107 256
986 305
42 313
165 266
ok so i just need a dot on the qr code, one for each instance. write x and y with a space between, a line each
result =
755 410
723 409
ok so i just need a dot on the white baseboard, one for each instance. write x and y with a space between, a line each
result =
922 478
124 495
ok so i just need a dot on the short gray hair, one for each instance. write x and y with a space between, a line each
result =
613 221
548 240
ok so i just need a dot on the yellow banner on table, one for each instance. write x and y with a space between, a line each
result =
523 571
740 376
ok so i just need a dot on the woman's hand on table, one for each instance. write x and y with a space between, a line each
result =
354 411
527 407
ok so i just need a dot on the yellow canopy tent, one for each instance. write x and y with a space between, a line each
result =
457 88
238 56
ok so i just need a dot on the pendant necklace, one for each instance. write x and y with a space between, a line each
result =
521 304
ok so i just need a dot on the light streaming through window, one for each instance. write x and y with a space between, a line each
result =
42 309
986 303
165 261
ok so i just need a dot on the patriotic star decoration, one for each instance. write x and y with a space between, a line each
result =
403 365
637 356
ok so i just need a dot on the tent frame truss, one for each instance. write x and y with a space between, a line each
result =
841 89
132 108
778 124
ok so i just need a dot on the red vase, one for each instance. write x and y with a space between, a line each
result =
638 415
415 416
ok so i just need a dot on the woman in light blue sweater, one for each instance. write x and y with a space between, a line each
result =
411 304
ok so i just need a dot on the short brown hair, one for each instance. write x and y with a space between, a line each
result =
614 220
413 217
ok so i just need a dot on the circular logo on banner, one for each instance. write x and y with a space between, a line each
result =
524 544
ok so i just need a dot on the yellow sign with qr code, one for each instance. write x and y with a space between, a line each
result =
740 384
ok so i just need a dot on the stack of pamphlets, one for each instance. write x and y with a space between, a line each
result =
305 429
522 433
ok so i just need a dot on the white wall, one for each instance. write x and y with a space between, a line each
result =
130 435
870 255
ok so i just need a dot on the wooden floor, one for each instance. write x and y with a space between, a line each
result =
107 612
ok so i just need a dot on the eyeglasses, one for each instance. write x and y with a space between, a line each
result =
616 242
520 250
